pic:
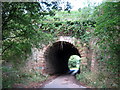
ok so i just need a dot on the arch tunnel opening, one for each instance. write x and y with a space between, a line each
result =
57 57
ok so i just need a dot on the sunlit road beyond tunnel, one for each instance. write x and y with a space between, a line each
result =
57 57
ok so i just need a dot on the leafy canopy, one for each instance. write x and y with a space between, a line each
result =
20 32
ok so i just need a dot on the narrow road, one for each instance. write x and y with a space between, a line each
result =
64 81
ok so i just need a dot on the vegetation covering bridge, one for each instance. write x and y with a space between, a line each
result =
28 27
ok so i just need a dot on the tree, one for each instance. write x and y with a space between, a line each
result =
79 9
51 5
68 7
20 30
108 32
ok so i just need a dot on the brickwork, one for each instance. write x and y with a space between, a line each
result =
37 60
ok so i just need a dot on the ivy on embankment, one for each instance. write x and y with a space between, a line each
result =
107 33
76 29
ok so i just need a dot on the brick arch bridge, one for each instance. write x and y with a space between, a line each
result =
57 54
53 58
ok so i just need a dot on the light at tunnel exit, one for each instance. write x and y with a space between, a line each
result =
74 64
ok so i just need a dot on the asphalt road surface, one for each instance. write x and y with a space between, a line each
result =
64 81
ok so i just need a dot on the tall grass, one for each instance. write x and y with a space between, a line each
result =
97 80
12 76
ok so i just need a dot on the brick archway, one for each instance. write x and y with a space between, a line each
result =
38 60
57 57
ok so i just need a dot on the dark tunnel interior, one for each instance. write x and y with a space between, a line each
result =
57 57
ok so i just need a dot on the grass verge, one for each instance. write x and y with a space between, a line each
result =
97 80
14 78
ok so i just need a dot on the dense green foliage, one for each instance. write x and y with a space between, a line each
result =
13 76
21 33
21 30
74 62
107 48
108 33
26 25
